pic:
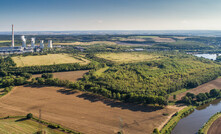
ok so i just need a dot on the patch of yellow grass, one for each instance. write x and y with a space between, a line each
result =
128 57
49 59
87 43
5 41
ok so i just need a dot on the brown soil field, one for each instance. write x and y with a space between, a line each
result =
84 112
215 128
70 75
203 88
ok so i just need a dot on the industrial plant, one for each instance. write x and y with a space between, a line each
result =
24 48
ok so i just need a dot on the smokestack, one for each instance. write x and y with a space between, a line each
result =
23 41
50 44
13 44
33 42
42 44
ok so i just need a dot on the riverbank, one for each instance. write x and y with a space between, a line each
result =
168 127
211 126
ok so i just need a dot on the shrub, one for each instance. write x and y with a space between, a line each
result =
29 116
156 131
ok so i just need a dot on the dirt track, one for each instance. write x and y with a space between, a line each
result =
203 88
83 112
215 128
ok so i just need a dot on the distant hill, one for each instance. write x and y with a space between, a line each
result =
122 32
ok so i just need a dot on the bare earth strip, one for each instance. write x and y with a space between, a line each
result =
203 88
70 75
215 128
82 111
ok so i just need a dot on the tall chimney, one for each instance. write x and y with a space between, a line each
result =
13 44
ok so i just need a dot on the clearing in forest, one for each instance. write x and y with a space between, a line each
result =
70 75
128 57
48 59
157 38
84 112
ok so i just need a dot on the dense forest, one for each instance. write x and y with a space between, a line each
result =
151 82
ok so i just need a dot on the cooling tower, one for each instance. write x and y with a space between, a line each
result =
42 44
32 42
50 44
23 41
13 44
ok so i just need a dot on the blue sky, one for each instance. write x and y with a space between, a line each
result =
58 15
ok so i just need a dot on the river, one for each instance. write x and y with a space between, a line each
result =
194 121
207 56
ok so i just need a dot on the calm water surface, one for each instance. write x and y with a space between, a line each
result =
193 122
207 56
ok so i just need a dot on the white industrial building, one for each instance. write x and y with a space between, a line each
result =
23 48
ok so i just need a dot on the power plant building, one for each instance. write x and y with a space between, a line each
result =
50 44
23 48
42 44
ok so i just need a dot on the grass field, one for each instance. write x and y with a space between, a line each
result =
49 59
87 43
83 112
5 41
70 75
127 57
157 38
19 126
100 71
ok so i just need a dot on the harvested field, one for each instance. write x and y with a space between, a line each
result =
87 43
127 57
202 88
82 111
215 128
70 75
49 59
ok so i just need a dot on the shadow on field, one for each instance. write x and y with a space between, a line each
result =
67 92
118 104
22 119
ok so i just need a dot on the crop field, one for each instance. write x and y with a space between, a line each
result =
87 43
215 127
49 59
22 126
127 57
84 112
70 75
214 84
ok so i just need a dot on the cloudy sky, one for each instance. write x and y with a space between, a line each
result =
59 15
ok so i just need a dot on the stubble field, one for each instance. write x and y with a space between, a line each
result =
49 59
84 112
